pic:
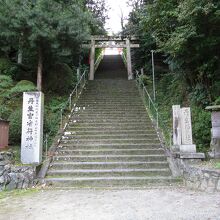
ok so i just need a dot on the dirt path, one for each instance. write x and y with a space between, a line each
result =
168 203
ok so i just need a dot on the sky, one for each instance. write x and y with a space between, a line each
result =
113 25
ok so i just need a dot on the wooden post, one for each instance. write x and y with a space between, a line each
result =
92 60
129 66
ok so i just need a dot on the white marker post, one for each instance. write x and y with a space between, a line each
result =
32 128
186 127
176 125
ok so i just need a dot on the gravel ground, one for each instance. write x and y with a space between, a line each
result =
162 203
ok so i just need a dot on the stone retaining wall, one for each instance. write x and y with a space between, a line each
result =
15 177
195 176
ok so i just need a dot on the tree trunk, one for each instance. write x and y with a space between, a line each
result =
20 56
20 51
39 69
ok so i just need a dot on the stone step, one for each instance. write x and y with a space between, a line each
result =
111 112
109 145
102 151
99 102
101 132
77 128
69 136
96 142
109 173
112 124
111 105
149 130
112 121
110 158
109 165
112 141
106 120
111 181
87 116
113 117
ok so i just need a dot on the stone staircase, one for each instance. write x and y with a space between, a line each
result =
110 140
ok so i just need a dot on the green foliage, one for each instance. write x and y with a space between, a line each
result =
61 79
185 37
22 86
5 66
5 83
217 101
145 80
5 111
201 125
15 126
186 33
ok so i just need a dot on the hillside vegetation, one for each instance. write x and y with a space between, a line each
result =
185 37
41 48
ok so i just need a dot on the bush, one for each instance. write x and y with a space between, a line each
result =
5 66
5 82
15 126
22 86
201 126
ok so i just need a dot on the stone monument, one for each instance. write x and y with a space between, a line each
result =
215 131
186 132
32 128
176 127
182 134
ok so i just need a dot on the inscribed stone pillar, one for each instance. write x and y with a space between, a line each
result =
92 60
186 134
32 128
176 125
215 131
129 65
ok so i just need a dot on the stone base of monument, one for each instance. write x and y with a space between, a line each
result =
215 148
188 148
186 152
191 155
214 155
175 148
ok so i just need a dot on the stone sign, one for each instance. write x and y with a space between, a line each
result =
176 125
182 130
215 131
32 128
186 126
215 125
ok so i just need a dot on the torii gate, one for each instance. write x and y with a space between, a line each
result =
105 42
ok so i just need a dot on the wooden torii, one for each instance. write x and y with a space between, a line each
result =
107 42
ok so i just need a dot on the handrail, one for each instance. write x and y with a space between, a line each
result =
73 97
99 59
153 112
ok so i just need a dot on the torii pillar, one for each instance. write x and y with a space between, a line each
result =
92 60
129 65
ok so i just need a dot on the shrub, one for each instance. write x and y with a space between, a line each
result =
5 66
5 82
15 126
201 125
22 86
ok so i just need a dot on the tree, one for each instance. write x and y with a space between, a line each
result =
187 34
38 25
99 9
